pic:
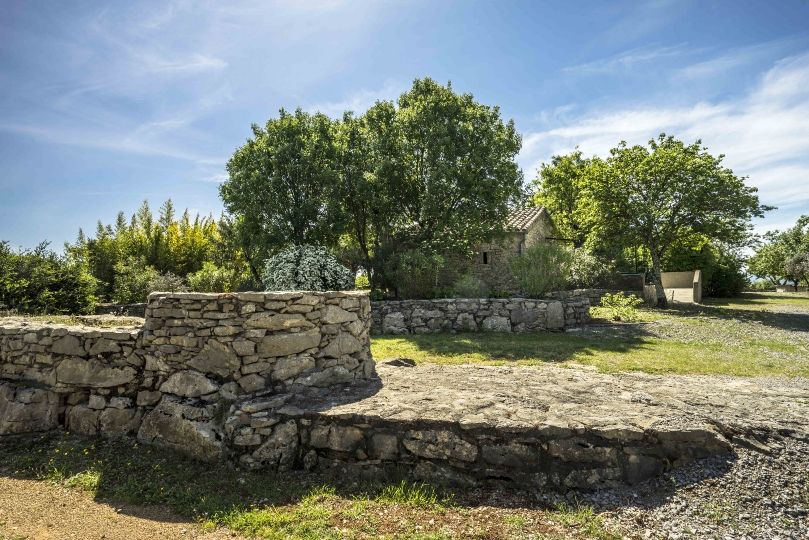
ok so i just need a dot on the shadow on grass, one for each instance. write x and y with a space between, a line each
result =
537 347
769 314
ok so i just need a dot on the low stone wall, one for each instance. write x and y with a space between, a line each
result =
593 295
478 314
173 381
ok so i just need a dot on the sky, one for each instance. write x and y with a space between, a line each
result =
105 104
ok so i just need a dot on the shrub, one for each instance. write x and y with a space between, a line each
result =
167 282
798 267
213 278
587 270
621 307
306 268
470 286
362 282
542 268
131 281
42 281
416 274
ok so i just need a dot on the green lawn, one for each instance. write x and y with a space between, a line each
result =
289 506
756 334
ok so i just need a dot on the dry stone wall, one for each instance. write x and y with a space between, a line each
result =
478 314
174 381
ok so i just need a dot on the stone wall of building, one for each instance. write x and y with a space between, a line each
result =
173 381
478 314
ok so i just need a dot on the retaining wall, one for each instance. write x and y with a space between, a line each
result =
478 314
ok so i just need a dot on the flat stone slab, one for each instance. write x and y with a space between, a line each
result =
535 427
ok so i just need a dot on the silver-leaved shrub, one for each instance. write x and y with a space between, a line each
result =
306 268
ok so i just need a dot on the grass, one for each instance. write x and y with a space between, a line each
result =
755 335
290 506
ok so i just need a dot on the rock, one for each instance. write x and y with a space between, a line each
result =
510 455
286 344
120 402
283 321
292 366
82 420
103 346
394 323
439 444
217 358
68 345
384 446
148 398
337 315
92 373
343 343
119 421
96 402
189 384
280 450
168 425
327 377
555 316
27 410
466 323
244 347
496 323
252 383
333 437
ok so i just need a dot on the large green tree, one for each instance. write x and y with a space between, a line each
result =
657 195
563 187
282 183
771 260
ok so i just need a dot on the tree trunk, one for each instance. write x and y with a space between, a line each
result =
657 278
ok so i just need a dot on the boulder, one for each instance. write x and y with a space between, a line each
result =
337 315
68 345
292 366
119 421
555 317
281 447
217 358
343 343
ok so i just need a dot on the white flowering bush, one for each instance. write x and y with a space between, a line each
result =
306 268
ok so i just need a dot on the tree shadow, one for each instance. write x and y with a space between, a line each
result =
772 316
533 347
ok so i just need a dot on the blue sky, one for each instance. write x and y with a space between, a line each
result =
104 104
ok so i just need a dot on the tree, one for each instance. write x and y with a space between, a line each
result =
655 196
563 188
771 260
798 267
282 183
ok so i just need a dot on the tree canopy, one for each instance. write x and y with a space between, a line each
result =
778 258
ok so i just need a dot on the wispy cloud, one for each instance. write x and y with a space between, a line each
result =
763 132
627 59
359 101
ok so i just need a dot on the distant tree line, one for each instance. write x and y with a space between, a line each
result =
782 257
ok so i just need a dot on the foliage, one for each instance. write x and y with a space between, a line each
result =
435 172
772 258
416 273
722 267
165 243
587 270
167 282
542 268
470 286
306 268
362 282
620 306
798 267
282 183
41 281
214 278
133 278
658 195
563 188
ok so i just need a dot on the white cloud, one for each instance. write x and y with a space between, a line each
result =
764 133
626 60
359 101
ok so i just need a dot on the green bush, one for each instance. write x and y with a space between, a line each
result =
542 268
306 268
587 270
42 281
621 307
213 278
132 279
362 282
470 286
167 282
416 274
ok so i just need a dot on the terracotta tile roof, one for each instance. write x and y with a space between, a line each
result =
521 219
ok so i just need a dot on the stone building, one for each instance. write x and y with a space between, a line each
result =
525 228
